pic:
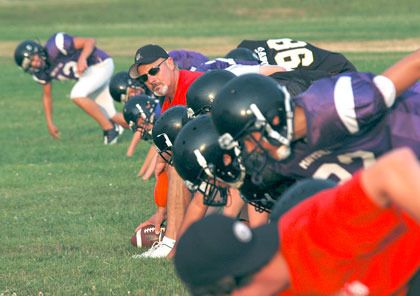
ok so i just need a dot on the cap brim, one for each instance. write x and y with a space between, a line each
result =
132 72
266 243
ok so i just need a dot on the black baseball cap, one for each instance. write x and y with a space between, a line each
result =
145 55
297 193
218 246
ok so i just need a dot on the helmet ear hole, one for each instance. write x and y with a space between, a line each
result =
276 120
227 159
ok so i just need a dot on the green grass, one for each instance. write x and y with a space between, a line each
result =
69 207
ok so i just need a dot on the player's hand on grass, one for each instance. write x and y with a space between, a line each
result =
53 130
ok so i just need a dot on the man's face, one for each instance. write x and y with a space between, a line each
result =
134 91
256 143
143 126
36 62
160 83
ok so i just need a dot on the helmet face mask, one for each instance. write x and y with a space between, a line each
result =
203 165
213 193
139 113
166 129
164 147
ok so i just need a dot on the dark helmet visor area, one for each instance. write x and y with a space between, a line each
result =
213 194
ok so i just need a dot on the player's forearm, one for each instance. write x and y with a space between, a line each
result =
395 179
195 211
405 72
48 106
235 203
87 48
133 144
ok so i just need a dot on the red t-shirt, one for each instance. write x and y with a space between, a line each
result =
186 78
340 241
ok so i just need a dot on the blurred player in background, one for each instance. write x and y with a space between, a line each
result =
69 57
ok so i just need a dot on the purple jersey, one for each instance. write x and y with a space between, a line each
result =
349 125
222 63
186 59
62 59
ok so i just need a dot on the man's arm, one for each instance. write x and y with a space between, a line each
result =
48 110
405 72
160 165
195 211
87 45
394 178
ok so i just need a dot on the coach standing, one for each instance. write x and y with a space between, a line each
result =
158 71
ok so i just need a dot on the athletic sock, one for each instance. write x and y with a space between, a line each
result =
168 241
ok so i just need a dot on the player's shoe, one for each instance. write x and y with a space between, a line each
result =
158 250
111 136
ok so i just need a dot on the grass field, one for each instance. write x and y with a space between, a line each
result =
68 207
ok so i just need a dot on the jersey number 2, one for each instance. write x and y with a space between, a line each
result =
328 169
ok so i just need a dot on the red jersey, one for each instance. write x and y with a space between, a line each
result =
186 78
340 243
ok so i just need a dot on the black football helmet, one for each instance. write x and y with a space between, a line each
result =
166 129
141 107
24 53
266 194
199 160
254 102
242 54
201 93
119 84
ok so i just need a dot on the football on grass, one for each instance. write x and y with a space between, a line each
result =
146 236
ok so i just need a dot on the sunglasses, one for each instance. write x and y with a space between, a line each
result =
152 72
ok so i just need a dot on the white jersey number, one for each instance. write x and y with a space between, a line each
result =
291 53
329 169
68 69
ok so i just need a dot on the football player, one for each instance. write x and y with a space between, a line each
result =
76 58
337 126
